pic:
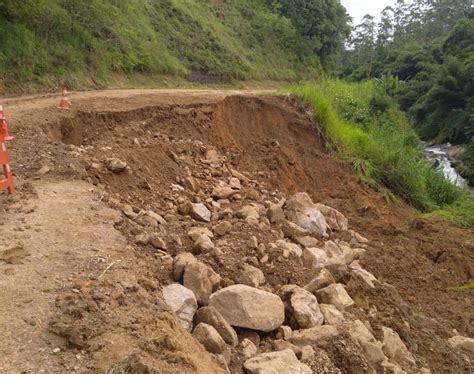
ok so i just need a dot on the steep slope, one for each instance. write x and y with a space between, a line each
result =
178 148
95 43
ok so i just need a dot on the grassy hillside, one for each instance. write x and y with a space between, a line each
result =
90 42
366 127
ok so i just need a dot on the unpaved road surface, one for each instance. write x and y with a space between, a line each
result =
79 295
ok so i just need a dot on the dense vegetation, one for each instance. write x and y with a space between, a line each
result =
45 42
366 127
423 52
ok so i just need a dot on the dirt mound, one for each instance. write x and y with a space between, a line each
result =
177 154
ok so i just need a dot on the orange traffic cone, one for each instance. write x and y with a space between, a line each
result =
7 181
64 103
4 126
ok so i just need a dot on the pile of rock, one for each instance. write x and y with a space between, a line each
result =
230 307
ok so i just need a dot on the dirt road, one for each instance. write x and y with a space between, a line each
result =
77 294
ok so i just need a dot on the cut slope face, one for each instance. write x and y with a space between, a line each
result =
178 153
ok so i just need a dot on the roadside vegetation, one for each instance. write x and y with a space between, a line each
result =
425 49
365 125
44 43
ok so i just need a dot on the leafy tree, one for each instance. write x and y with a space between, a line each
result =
323 22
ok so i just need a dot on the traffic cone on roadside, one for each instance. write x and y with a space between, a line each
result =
7 181
4 126
64 103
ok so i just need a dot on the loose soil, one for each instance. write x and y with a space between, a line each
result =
71 277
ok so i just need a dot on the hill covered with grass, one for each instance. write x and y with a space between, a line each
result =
44 43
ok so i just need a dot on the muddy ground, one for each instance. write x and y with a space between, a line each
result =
75 313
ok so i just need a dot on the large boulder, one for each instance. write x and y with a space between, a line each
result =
182 302
462 342
180 263
371 348
250 276
200 279
334 219
199 212
336 295
301 210
314 258
248 307
314 336
332 316
276 363
209 338
323 279
211 316
301 306
395 349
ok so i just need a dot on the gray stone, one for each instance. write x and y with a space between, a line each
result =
336 295
209 338
301 306
200 212
182 302
335 219
200 279
395 349
248 307
323 279
370 346
462 342
332 316
212 317
115 165
306 241
301 210
180 262
248 348
314 336
314 258
250 276
276 363
222 228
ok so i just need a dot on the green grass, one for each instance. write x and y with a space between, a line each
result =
366 127
44 43
469 286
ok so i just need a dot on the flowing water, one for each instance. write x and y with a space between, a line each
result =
438 154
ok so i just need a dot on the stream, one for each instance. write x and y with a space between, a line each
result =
438 154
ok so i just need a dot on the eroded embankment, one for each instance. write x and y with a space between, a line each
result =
272 149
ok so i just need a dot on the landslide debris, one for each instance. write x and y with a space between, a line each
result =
260 273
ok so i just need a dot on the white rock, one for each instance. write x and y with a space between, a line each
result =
180 262
367 278
395 349
314 258
462 342
332 316
248 348
334 253
290 249
209 338
251 276
182 302
336 295
314 336
248 211
195 232
306 241
115 165
223 191
200 279
370 346
248 307
334 219
200 212
276 363
301 210
212 317
302 306
323 279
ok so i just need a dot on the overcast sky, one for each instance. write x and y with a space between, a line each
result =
359 8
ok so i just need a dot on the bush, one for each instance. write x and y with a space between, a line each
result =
382 145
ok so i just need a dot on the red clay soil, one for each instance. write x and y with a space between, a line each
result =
274 140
